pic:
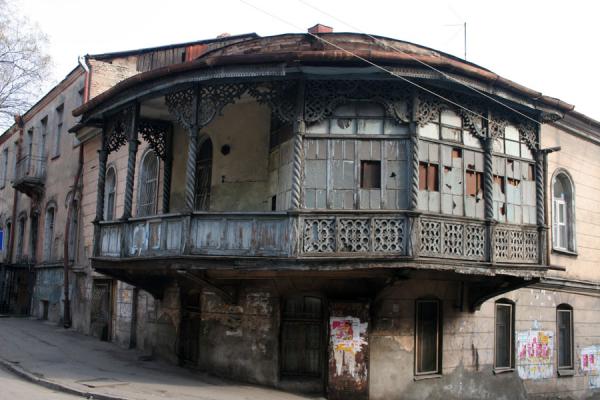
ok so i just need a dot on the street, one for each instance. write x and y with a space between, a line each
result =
15 388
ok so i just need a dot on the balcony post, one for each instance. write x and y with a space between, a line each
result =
102 159
190 174
299 131
488 187
413 222
540 173
133 147
166 195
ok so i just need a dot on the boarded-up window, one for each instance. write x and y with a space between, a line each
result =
302 337
504 347
427 337
370 174
474 183
429 177
499 181
564 328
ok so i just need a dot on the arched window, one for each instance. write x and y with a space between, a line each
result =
564 331
148 188
504 346
49 232
73 230
21 236
110 194
563 221
203 176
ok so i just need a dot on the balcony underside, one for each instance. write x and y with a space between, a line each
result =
220 275
30 186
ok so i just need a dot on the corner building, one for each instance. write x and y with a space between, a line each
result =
284 214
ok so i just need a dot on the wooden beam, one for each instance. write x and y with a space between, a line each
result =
226 297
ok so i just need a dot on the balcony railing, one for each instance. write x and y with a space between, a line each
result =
324 234
30 174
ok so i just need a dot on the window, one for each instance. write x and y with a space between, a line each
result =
110 194
49 233
563 221
302 337
43 133
73 228
428 340
59 128
449 126
474 184
504 334
564 329
148 188
510 143
4 167
429 177
33 235
203 176
370 174
21 237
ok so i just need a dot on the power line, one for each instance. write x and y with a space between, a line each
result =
445 75
371 63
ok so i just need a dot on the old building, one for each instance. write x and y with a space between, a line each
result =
288 215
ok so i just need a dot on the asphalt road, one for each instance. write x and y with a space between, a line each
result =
14 388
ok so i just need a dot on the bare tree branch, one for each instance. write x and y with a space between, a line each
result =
24 63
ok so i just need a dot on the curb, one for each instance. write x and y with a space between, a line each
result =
28 376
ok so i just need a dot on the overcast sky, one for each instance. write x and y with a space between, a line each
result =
548 46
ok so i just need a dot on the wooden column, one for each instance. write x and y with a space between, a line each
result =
488 187
190 174
131 160
102 159
167 171
413 200
540 201
297 165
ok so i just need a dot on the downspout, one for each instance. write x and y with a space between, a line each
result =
76 189
20 123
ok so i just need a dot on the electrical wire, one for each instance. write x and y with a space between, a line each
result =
445 75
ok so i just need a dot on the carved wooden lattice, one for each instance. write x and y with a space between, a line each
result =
453 239
430 237
324 96
181 106
157 134
213 98
475 241
388 234
118 129
354 235
514 245
319 235
530 246
501 244
280 96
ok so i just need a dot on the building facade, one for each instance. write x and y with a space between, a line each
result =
276 211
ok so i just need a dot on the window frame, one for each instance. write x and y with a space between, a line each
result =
60 110
142 183
107 193
570 220
511 336
565 308
49 232
438 334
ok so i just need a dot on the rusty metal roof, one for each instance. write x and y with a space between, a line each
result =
304 49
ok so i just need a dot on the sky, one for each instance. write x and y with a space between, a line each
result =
549 46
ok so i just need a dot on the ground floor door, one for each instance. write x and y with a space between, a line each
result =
190 328
348 372
100 321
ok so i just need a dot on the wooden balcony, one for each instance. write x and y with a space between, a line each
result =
30 175
400 236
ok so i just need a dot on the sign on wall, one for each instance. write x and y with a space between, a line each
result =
590 364
535 354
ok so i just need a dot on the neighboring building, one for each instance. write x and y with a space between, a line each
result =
289 216
39 163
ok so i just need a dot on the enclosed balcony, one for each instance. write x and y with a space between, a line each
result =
30 175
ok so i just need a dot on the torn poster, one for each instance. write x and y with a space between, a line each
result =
590 364
535 353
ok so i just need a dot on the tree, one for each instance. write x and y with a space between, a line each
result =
24 63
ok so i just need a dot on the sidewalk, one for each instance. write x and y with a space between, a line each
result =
66 360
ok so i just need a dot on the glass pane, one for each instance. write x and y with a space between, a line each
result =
470 140
498 145
427 332
512 148
391 127
511 133
319 127
526 152
343 126
562 236
503 336
451 134
430 131
451 118
369 126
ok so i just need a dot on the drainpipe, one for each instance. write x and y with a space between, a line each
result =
76 189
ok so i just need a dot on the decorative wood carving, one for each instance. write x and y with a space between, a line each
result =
118 129
181 106
156 133
280 96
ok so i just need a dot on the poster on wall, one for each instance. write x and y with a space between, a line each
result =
345 334
590 364
535 353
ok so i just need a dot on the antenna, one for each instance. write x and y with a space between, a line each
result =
464 26
465 32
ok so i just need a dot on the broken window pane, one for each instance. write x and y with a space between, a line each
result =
504 335
370 174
